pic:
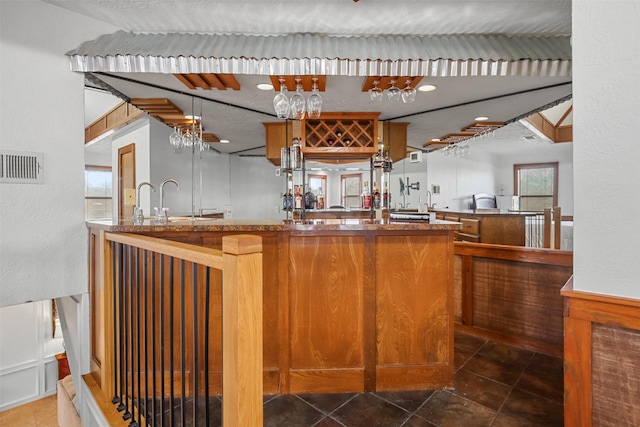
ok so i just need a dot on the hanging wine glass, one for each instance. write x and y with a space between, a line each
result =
314 102
298 104
393 93
187 139
375 92
409 93
175 139
281 102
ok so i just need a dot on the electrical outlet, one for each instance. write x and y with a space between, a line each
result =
130 196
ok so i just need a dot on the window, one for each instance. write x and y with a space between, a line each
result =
350 186
318 184
537 185
97 193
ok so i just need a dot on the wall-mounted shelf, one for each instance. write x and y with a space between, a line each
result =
344 134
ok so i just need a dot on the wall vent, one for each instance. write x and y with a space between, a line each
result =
20 167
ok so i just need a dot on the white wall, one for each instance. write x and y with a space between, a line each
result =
43 251
168 164
255 190
458 177
40 220
606 83
28 367
561 153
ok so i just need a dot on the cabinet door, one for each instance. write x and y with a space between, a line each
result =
395 135
470 226
277 135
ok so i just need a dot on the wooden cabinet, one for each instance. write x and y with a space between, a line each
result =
341 134
494 228
343 311
470 231
337 134
277 135
394 134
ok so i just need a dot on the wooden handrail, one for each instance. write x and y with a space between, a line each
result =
196 254
240 261
515 253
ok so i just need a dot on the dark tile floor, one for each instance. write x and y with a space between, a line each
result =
495 385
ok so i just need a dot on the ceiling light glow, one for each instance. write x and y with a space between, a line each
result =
427 88
264 86
481 118
224 141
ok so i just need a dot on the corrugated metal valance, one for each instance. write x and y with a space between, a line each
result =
309 54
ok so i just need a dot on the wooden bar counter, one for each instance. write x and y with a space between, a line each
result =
349 305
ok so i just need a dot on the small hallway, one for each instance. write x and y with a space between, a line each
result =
495 385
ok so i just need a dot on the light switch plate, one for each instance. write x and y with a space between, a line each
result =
130 196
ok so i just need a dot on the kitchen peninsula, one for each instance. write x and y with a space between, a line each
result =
349 305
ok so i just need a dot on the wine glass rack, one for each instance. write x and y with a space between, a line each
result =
350 134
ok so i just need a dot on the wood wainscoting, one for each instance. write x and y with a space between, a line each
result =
601 360
511 294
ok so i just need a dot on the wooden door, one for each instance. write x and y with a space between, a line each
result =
126 180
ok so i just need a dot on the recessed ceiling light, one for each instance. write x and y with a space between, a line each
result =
264 86
224 141
481 118
190 117
435 139
427 88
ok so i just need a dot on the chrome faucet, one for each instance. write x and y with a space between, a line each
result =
162 214
429 205
138 214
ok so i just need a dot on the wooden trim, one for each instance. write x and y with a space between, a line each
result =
556 133
103 400
116 118
467 290
242 334
369 314
583 310
200 255
577 373
515 253
554 165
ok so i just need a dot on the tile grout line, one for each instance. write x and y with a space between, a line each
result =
511 388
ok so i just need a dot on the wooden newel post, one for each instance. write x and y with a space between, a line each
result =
242 331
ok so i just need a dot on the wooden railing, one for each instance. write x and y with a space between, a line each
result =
511 294
544 230
154 362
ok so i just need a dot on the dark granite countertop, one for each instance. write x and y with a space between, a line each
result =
182 224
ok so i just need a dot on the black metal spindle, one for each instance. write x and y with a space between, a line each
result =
162 340
145 327
153 335
135 379
127 337
171 333
196 369
182 347
206 344
115 271
122 329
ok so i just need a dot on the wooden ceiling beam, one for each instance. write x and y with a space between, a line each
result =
208 81
384 82
305 80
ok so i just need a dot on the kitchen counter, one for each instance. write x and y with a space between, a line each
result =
182 224
349 305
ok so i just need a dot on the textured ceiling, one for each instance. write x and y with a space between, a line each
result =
337 17
238 115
